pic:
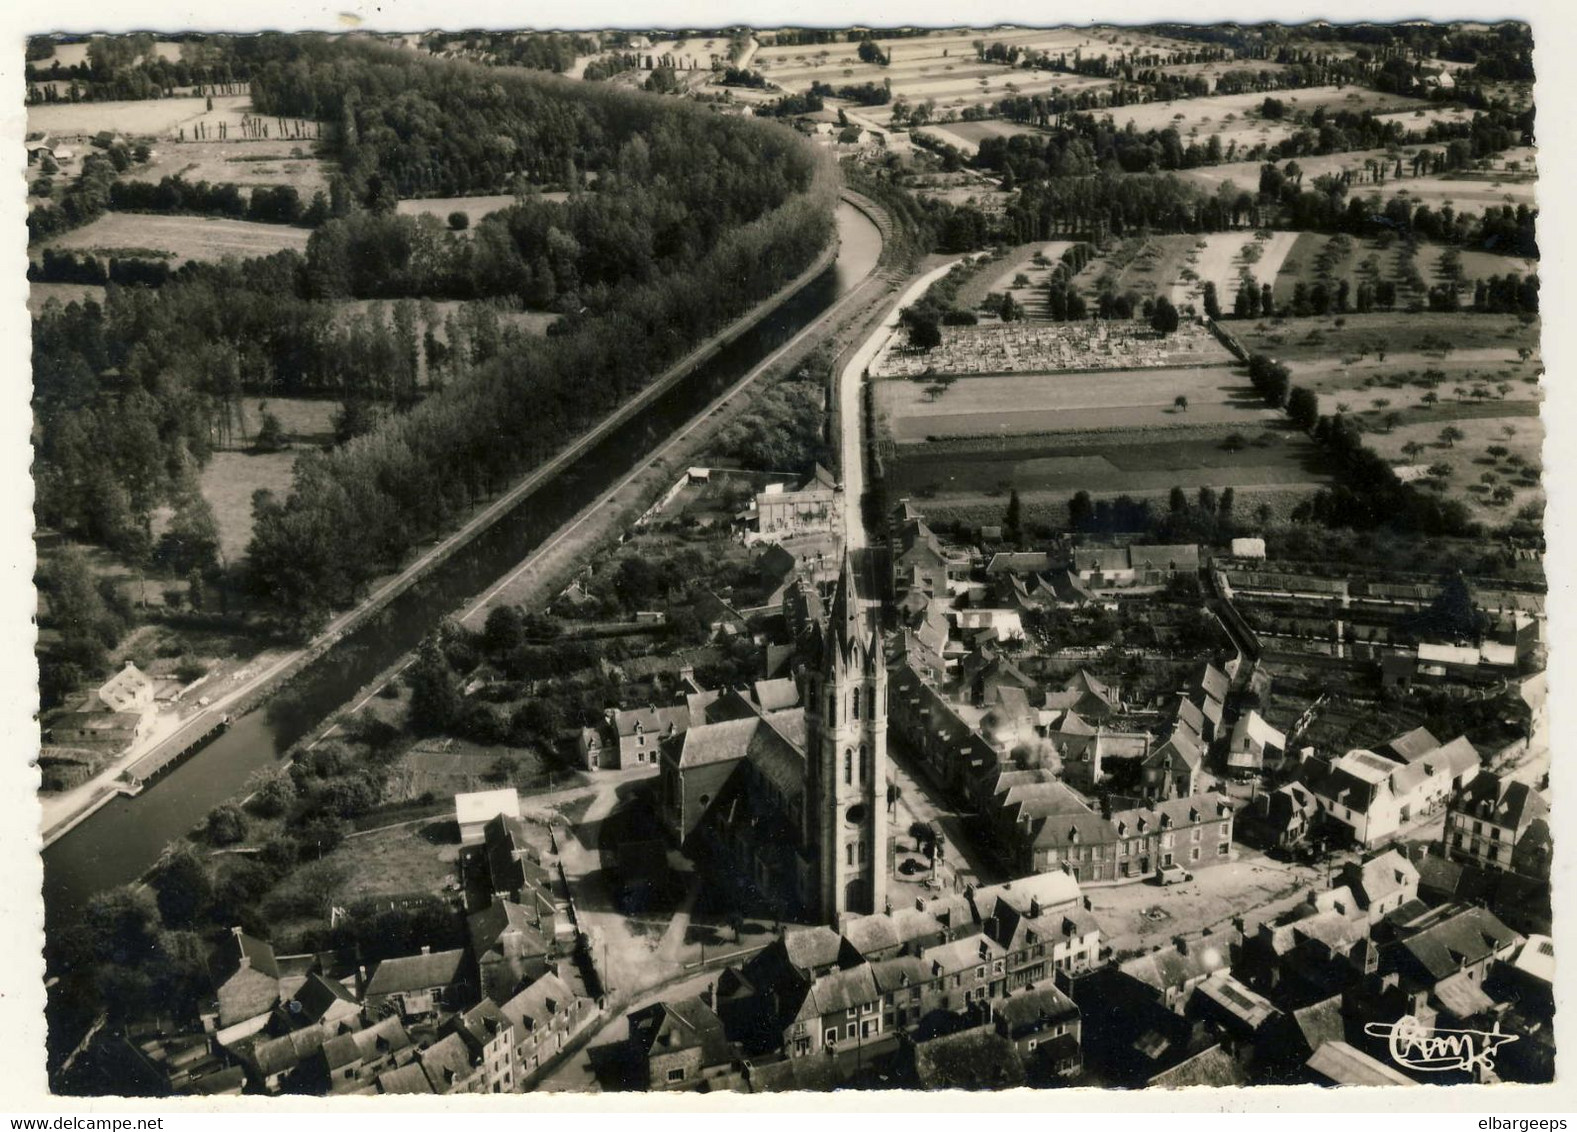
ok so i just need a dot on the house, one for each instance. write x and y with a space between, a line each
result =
1381 884
544 1017
1456 942
1409 746
322 1001
246 981
1169 975
473 811
1355 794
489 1040
1248 548
1254 743
1103 568
1172 770
1213 1067
353 1062
1241 1014
676 1045
509 945
1280 818
1156 565
450 1066
815 508
1491 818
1043 1024
127 690
417 985
636 734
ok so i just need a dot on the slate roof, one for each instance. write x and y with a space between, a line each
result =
1321 1022
812 948
777 695
691 1024
1376 879
415 972
1253 1010
1342 1064
1044 1003
317 995
538 1003
446 1061
837 991
258 953
488 926
1104 560
407 1079
1456 935
1212 681
1410 746
1213 1067
868 934
1171 969
280 1055
386 1036
1500 800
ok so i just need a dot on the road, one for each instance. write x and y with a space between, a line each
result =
850 382
61 810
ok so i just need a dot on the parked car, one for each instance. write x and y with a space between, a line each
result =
1172 874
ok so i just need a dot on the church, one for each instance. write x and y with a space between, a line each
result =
789 803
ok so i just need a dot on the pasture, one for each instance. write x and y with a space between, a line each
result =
1226 259
1316 257
1508 180
153 117
1135 461
180 238
1437 335
246 163
232 474
474 207
1475 474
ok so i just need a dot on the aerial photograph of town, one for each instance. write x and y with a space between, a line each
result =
755 559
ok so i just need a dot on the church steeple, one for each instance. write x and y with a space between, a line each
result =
846 722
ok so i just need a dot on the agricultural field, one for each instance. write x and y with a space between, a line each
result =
943 67
967 136
474 207
1494 462
179 239
1509 179
76 54
1179 266
1316 257
243 162
1000 275
1438 371
152 117
1033 404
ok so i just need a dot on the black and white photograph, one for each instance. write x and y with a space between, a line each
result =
747 558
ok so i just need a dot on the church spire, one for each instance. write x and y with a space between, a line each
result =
844 622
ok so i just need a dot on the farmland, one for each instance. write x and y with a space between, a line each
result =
1315 257
180 238
153 117
1508 181
473 207
244 162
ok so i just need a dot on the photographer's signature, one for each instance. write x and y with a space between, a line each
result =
1428 1050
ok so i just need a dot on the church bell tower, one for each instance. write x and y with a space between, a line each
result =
846 724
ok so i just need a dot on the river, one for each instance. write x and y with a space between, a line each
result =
121 841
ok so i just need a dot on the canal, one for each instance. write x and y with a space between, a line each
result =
122 840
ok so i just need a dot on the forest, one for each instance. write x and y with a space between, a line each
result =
692 218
